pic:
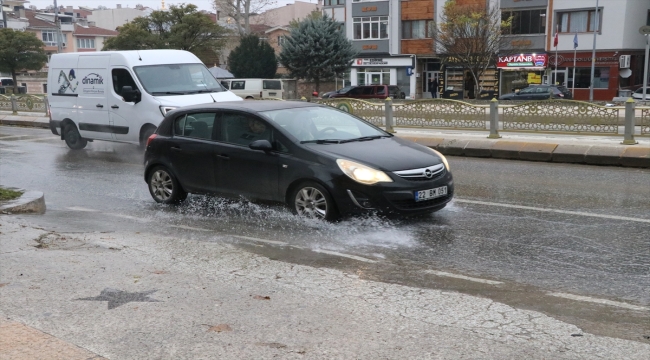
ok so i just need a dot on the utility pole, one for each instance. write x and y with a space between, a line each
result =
593 58
59 46
4 16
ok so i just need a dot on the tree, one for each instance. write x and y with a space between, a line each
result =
253 59
242 10
470 36
317 50
182 27
20 51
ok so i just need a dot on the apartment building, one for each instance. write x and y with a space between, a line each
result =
395 45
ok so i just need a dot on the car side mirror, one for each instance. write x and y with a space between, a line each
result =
263 145
131 95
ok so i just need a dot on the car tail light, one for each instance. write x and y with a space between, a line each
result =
561 95
153 136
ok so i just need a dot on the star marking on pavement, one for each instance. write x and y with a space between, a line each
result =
117 298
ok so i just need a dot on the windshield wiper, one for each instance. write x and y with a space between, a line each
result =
321 141
204 91
363 138
168 93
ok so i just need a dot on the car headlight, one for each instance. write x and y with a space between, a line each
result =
362 173
165 109
442 157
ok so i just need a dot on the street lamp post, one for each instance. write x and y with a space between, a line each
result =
645 65
593 58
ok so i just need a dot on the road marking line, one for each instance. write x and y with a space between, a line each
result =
354 257
599 301
613 217
189 227
79 208
261 240
457 276
128 217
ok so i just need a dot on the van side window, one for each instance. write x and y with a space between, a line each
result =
198 125
238 85
122 78
381 90
368 90
225 85
271 84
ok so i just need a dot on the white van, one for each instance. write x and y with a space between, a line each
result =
123 95
255 88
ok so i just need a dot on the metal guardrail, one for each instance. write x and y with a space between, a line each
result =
441 113
566 116
645 121
24 103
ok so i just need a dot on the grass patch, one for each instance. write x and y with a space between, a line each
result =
6 194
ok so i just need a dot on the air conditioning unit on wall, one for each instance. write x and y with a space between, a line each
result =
624 61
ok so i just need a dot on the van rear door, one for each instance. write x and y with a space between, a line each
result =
272 89
92 105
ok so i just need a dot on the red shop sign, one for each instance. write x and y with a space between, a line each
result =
522 60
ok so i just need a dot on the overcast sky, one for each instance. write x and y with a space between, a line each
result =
154 4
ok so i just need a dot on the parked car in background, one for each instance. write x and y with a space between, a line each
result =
539 92
339 91
638 94
372 92
255 88
320 161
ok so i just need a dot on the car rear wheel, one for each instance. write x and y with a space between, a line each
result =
72 137
312 200
163 186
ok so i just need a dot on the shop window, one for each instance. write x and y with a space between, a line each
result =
524 21
370 28
579 21
416 29
583 77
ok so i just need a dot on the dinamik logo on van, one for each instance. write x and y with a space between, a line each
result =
92 83
67 82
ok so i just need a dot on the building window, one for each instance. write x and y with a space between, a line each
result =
281 39
416 29
86 43
583 77
333 2
647 19
579 21
525 21
366 28
49 37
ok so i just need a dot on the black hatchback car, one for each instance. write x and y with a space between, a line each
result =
319 160
540 92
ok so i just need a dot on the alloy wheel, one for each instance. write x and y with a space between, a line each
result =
311 203
162 185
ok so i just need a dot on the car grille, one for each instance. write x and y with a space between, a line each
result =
422 174
411 204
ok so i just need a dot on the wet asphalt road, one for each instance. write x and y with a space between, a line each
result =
537 228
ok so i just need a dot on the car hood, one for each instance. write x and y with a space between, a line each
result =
387 154
507 96
194 99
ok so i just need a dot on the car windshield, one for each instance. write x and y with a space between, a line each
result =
323 125
177 79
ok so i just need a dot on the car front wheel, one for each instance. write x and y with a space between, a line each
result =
72 137
163 186
311 200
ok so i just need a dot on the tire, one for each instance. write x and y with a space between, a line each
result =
72 137
148 131
163 186
311 200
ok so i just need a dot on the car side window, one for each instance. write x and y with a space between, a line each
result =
243 129
197 125
542 90
122 78
356 91
238 85
527 91
368 90
381 90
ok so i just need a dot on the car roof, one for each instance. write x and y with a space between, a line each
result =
250 105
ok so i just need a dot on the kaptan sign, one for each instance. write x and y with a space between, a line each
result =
523 60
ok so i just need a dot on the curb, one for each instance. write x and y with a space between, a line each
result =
638 157
30 202
17 120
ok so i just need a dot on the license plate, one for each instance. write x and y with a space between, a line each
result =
430 193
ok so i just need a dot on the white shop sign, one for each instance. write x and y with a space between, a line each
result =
404 61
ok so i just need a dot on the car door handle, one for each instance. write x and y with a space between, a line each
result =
99 105
176 148
115 107
223 156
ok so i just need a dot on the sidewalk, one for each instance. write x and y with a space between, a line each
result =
563 148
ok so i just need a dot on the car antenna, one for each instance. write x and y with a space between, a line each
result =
139 57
